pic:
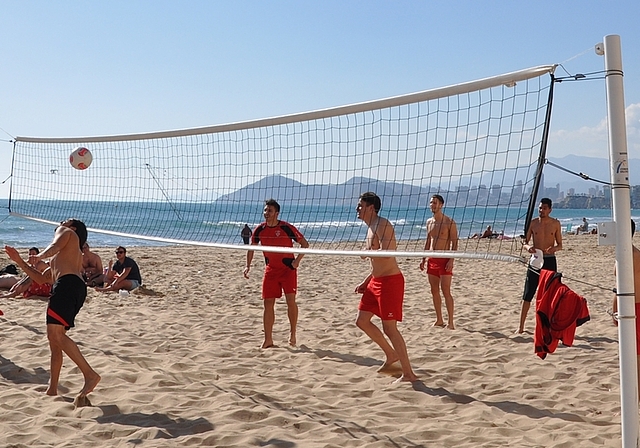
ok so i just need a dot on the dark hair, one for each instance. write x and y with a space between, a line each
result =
546 201
438 197
633 227
372 199
121 248
273 203
35 249
81 231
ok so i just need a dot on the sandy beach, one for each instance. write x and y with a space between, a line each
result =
181 365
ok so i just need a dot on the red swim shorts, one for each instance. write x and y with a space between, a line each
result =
438 266
384 296
277 280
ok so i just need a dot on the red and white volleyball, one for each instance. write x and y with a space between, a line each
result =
81 158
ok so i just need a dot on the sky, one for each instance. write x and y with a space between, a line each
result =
90 68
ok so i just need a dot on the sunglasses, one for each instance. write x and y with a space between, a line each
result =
119 251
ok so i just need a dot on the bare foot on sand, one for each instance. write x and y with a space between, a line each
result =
439 324
81 401
389 366
406 379
267 344
292 340
52 392
90 383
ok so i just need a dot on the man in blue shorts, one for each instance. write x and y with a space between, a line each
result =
67 297
280 273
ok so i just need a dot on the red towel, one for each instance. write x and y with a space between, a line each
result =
559 311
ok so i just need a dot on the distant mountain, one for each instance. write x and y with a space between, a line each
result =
290 191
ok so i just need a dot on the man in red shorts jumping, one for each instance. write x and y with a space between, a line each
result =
383 290
442 234
280 273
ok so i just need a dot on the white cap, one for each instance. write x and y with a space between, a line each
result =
537 260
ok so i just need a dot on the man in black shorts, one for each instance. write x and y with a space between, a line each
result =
68 295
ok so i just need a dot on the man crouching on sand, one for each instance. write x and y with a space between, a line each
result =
383 290
67 297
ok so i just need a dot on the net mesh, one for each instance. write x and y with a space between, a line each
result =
476 144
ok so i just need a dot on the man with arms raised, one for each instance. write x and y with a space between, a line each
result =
442 234
280 272
68 295
547 237
383 290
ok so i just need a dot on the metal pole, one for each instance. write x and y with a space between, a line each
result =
624 246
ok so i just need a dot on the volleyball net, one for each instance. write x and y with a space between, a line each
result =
478 144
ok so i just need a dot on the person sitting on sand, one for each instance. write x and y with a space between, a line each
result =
583 228
26 286
488 233
92 267
124 274
9 276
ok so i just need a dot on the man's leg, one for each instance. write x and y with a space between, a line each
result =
523 315
445 283
292 313
363 321
58 338
55 364
391 330
434 282
530 286
268 319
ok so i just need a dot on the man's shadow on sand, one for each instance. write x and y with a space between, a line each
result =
19 375
169 427
510 407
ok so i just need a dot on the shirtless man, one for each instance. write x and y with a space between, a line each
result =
636 286
91 267
442 234
547 236
383 290
69 293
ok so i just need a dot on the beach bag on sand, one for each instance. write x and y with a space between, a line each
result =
559 311
9 269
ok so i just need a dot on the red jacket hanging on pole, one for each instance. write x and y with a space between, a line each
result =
559 311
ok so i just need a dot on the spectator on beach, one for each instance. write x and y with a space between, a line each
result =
9 276
547 237
29 287
442 234
583 228
245 233
69 294
280 273
488 233
382 290
123 274
91 267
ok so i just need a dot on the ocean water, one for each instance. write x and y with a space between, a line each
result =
221 223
